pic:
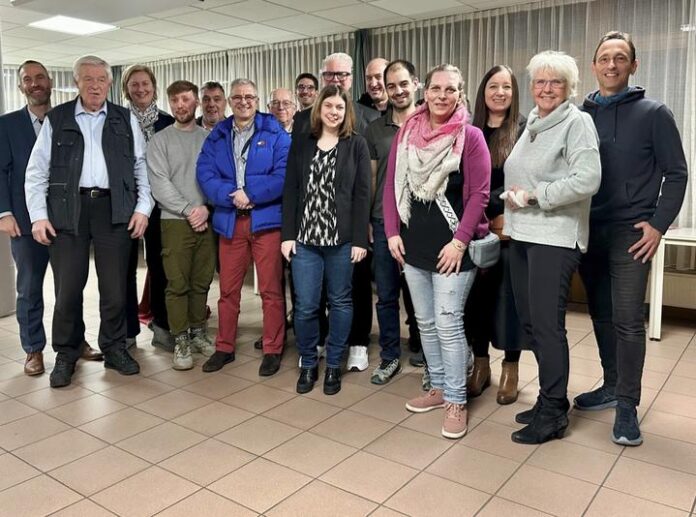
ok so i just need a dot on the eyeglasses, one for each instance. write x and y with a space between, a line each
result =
305 88
618 60
281 104
341 76
556 84
246 98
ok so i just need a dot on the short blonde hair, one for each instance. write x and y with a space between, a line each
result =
561 64
129 73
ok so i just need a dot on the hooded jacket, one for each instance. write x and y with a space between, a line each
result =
639 147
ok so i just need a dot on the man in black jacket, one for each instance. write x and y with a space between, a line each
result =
86 183
644 178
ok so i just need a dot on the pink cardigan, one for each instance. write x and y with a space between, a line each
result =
476 160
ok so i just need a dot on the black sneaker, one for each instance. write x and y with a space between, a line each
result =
626 430
595 400
258 344
121 361
385 371
62 373
217 361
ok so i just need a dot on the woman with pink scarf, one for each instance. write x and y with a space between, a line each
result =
437 187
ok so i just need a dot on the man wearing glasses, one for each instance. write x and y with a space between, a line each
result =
306 88
241 170
283 106
338 69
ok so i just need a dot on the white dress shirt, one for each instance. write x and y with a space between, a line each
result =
94 172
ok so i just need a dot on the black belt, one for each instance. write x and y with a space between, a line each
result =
243 213
95 192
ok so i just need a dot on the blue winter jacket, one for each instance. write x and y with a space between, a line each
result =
264 175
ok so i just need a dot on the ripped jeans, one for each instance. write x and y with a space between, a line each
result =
439 302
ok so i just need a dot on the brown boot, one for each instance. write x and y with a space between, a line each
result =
480 379
507 389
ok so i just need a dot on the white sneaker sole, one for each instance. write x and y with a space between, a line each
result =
454 436
414 409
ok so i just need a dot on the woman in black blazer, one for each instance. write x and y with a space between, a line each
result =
326 208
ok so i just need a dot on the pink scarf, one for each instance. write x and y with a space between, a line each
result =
425 157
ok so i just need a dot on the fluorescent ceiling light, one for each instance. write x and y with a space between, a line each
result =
72 25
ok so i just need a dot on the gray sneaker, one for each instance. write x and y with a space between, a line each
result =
201 342
385 371
183 360
162 339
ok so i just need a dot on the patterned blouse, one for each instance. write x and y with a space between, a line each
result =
318 226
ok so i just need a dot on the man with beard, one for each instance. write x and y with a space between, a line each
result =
18 131
306 89
401 87
213 105
376 95
188 245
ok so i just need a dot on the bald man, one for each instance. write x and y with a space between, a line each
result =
283 106
376 95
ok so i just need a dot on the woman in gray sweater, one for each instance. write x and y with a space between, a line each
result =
550 177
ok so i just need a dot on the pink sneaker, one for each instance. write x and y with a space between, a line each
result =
455 424
427 402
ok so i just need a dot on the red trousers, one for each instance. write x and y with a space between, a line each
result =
236 255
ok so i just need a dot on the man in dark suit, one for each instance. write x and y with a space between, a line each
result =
18 131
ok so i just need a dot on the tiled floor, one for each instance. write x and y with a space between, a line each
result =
230 443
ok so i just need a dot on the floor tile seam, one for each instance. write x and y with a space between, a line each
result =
77 502
266 410
312 431
547 512
204 489
621 455
212 436
120 447
184 388
616 490
215 437
265 413
602 484
693 506
104 445
70 427
76 426
38 474
167 418
91 392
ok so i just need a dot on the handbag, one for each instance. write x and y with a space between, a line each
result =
484 252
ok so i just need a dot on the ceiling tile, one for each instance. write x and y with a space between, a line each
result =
311 25
174 12
179 45
208 20
257 10
37 34
261 32
20 16
362 16
90 44
13 41
220 40
128 36
412 7
213 4
7 25
133 21
165 28
308 6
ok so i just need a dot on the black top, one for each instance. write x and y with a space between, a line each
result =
318 225
352 186
428 231
379 135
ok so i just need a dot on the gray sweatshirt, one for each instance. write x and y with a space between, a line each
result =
171 169
556 158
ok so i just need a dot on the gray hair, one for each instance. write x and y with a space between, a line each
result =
337 56
447 68
292 95
243 82
561 64
91 60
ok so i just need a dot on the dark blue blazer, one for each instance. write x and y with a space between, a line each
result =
17 139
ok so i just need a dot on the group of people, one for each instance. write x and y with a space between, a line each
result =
390 189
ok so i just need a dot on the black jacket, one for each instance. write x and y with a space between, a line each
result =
352 184
67 154
639 146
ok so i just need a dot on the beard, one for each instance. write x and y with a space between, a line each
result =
185 118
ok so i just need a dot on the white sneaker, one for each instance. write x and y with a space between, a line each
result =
357 359
183 360
201 342
321 352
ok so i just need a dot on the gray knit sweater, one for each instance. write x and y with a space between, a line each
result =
556 158
171 169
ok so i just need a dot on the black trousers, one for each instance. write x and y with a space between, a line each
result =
541 277
132 321
158 279
362 302
615 285
490 315
69 256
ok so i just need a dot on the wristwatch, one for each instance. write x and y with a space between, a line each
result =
532 201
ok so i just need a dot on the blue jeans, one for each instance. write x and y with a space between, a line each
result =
311 267
31 259
439 303
388 280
